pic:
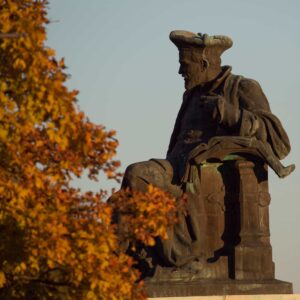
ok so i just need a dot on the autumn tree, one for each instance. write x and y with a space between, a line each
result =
56 241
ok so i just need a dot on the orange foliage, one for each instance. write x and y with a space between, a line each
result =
56 240
145 216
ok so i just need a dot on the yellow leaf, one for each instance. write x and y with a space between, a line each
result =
2 279
19 64
22 266
91 295
3 133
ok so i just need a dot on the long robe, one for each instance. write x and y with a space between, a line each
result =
230 107
245 113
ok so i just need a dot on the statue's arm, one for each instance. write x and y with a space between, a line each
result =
252 101
249 115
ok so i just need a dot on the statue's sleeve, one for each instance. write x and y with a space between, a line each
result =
257 120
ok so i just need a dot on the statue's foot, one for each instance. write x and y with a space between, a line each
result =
285 171
194 270
195 266
201 269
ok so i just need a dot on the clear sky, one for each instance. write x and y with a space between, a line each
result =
120 58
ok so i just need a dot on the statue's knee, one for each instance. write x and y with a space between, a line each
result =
132 175
133 170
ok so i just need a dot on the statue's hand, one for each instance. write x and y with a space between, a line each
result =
222 111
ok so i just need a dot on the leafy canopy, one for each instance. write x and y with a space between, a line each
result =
56 241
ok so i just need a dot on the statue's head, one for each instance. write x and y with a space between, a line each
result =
199 56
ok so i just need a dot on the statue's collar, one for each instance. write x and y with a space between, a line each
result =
215 83
226 70
211 85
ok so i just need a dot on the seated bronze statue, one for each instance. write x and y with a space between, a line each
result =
224 137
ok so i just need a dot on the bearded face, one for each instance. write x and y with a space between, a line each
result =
193 68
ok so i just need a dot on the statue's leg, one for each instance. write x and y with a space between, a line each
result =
158 172
181 249
178 249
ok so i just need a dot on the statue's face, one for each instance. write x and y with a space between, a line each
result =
191 68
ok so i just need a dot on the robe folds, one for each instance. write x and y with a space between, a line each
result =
242 111
241 97
232 109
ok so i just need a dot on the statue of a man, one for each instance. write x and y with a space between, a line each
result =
217 107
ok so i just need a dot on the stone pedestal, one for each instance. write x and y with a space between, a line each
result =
234 297
217 287
233 215
253 254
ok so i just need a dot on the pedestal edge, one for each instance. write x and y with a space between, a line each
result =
216 288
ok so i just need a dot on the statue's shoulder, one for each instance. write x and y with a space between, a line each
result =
242 86
249 92
231 83
244 83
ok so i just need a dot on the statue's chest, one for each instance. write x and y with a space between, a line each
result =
198 122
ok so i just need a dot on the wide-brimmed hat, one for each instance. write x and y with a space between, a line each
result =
187 39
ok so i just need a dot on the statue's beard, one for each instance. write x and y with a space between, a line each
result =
189 83
200 78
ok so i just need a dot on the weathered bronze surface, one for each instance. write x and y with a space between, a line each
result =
224 139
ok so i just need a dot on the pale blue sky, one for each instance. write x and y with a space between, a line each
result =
121 60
